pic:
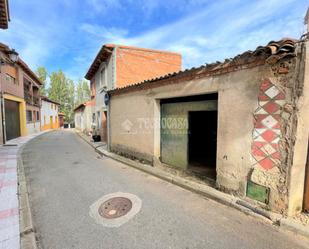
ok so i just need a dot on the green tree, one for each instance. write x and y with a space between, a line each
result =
62 91
82 92
42 73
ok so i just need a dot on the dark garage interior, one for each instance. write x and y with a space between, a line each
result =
202 149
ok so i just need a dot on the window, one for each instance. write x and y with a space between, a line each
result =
37 116
103 77
10 79
29 116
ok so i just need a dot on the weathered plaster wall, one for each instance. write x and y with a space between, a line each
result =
237 101
100 90
263 125
297 163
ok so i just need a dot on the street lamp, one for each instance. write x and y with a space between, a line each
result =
13 55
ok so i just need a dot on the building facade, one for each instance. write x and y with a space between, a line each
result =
243 124
20 103
49 114
117 66
83 117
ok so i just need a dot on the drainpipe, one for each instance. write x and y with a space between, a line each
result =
2 108
3 118
108 126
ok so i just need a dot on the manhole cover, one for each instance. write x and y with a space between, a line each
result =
115 207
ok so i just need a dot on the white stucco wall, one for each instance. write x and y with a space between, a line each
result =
48 109
33 127
83 119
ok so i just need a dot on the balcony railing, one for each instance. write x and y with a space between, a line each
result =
36 100
30 99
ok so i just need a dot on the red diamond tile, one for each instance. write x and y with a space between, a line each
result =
257 152
258 158
276 155
269 135
258 144
267 163
263 97
280 96
275 146
265 85
271 107
258 120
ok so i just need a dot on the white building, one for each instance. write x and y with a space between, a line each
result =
49 114
83 117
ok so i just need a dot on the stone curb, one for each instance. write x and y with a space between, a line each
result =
202 189
294 226
27 231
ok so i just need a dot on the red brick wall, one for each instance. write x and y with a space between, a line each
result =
92 88
134 65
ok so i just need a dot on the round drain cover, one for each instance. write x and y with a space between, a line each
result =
115 207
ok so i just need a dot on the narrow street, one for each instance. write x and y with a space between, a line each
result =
65 177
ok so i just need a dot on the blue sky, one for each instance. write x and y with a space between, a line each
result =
67 34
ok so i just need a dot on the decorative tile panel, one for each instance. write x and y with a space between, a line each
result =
266 133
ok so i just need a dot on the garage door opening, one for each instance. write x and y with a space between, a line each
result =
12 119
202 143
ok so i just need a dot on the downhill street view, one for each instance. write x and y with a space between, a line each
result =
154 124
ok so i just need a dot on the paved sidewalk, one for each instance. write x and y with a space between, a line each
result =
9 208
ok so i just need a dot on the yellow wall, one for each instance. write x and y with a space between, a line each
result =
53 124
22 112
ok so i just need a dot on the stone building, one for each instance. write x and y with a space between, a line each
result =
118 65
243 124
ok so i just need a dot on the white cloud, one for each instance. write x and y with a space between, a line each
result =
204 34
205 37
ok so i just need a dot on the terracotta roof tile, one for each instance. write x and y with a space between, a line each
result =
271 53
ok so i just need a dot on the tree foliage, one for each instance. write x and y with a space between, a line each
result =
82 92
42 74
62 90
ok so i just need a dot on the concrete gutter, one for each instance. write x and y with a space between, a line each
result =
294 226
196 187
27 234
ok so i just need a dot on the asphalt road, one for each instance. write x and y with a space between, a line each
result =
66 176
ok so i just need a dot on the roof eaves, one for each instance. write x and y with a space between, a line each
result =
271 53
29 72
79 106
102 55
49 100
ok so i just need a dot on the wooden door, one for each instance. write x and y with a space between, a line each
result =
12 119
306 194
